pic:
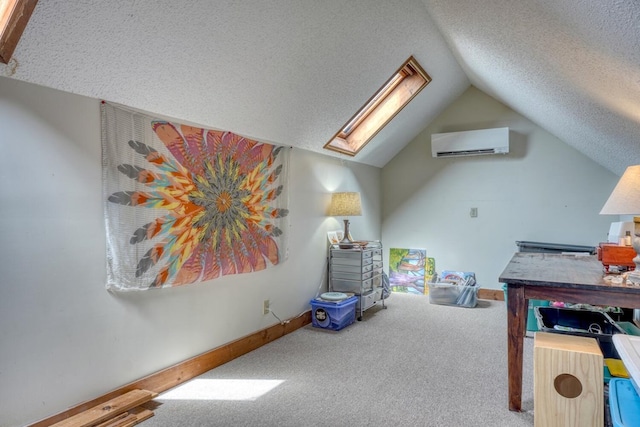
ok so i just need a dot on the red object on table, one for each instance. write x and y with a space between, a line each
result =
613 254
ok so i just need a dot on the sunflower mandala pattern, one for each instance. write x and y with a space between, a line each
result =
208 203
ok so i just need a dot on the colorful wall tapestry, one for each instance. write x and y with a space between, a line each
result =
185 204
408 270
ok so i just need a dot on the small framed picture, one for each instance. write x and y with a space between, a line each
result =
333 237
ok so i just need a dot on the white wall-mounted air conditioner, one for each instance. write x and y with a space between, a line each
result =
470 143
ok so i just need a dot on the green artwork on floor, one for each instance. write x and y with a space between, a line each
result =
408 270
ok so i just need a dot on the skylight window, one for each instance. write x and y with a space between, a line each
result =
14 15
392 97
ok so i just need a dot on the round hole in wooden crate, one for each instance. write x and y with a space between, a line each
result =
567 386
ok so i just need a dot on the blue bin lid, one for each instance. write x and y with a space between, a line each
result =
624 403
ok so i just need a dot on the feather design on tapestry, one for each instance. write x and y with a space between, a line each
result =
215 192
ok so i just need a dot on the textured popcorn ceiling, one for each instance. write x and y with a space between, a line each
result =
293 72
571 66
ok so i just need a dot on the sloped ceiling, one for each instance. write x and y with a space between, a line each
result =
290 72
571 66
293 72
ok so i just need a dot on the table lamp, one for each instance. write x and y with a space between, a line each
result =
625 200
345 204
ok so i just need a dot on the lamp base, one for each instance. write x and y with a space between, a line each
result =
346 242
633 278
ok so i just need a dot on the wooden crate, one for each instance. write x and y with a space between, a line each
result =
568 381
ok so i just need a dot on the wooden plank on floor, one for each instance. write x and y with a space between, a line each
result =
108 409
131 418
113 421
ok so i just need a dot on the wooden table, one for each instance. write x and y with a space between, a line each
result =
554 277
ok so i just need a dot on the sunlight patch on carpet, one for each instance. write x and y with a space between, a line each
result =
218 389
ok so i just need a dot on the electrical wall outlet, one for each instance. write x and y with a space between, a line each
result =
265 307
473 213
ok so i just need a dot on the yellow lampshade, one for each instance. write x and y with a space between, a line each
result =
345 204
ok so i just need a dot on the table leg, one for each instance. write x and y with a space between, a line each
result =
516 315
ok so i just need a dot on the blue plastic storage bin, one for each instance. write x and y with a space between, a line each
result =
624 403
333 315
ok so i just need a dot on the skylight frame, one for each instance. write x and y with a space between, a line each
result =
380 109
14 15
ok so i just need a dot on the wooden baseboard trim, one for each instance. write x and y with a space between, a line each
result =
170 377
491 294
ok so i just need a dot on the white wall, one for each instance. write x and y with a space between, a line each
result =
543 190
63 338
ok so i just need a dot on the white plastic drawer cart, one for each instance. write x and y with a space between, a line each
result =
357 269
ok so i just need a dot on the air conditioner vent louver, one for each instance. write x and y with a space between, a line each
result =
470 143
466 153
